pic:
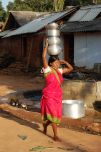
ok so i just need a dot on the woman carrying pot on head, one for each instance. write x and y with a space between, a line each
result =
51 101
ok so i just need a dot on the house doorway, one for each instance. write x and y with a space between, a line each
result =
24 47
69 48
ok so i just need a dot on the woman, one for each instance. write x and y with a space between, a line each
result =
51 102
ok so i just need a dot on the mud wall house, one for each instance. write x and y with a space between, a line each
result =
29 37
83 36
16 44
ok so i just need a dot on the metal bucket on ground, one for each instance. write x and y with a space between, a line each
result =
73 108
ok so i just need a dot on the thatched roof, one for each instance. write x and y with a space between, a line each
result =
23 17
20 18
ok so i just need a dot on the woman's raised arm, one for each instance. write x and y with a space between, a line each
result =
44 53
68 67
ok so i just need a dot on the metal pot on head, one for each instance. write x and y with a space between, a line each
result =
53 32
54 49
54 40
52 26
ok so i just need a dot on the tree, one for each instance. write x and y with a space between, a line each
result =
46 5
31 5
97 1
10 6
18 5
85 2
2 13
77 2
58 5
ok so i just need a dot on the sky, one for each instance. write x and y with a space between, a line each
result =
5 2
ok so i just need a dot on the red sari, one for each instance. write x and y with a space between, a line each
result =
51 101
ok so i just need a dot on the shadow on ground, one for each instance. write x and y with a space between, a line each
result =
66 146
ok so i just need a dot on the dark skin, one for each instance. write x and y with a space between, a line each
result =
55 65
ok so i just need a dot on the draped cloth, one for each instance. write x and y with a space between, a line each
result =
51 101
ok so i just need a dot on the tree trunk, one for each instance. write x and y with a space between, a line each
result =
58 5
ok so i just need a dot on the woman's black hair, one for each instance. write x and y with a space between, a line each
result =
52 58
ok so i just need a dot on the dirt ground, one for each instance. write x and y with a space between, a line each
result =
10 84
23 133
17 135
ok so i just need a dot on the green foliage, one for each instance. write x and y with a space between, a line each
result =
31 5
18 5
45 5
99 1
58 5
85 2
10 6
78 2
37 5
2 13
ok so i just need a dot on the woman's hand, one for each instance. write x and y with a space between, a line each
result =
68 67
63 62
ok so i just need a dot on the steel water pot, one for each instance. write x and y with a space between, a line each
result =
54 49
53 32
54 40
52 26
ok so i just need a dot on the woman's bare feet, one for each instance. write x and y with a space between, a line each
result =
45 125
57 139
45 128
